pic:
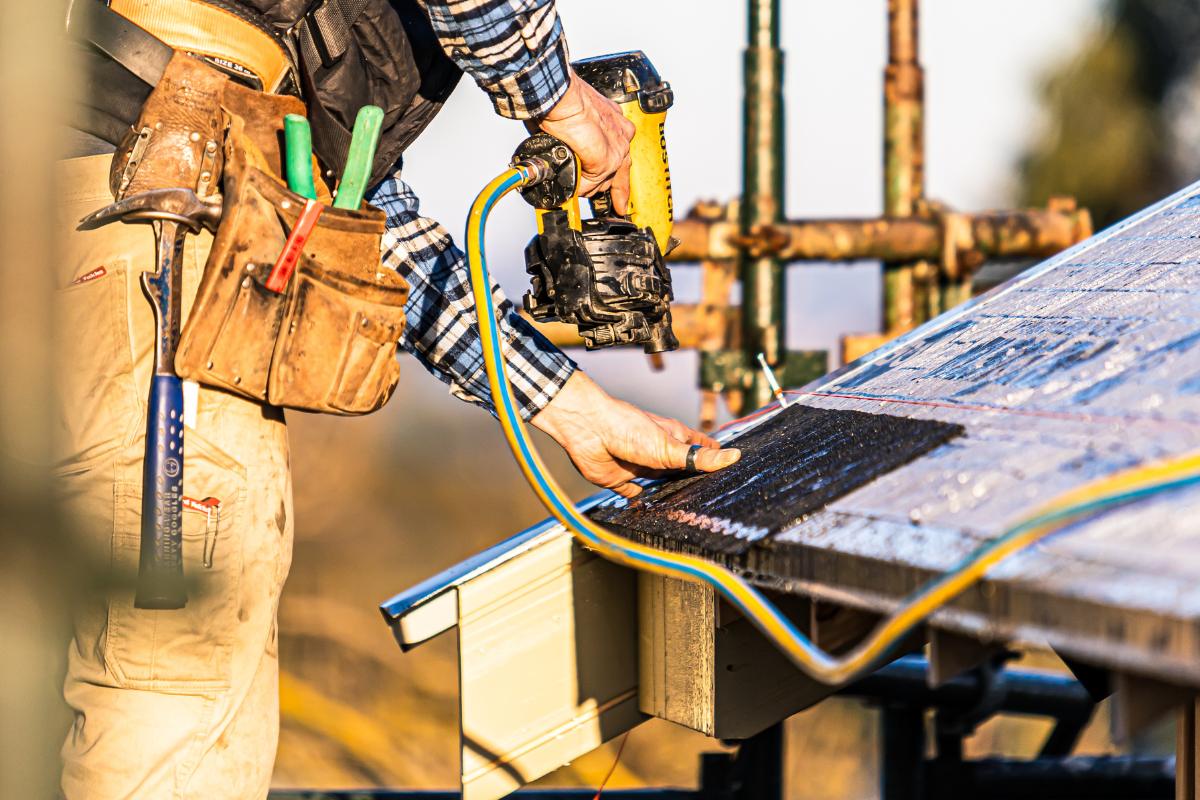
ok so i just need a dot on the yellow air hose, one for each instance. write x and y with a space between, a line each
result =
1073 506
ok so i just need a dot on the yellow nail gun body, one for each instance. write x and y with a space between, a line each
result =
607 275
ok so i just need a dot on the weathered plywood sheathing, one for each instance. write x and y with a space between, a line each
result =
677 622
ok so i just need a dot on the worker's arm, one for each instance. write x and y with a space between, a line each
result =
612 442
513 49
516 52
442 329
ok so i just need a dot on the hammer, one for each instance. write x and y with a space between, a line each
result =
174 213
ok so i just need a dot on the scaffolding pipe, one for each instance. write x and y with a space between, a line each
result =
904 302
929 253
904 125
762 194
960 241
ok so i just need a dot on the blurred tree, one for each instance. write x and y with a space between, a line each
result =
1124 113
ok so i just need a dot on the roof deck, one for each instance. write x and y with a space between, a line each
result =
1080 367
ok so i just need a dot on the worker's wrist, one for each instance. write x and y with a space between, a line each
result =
569 106
537 402
533 91
577 399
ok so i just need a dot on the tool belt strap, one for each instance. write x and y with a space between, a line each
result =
331 50
326 27
229 41
134 40
324 38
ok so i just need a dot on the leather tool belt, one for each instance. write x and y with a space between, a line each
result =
338 55
223 35
327 342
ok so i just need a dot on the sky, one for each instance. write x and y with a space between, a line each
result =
983 60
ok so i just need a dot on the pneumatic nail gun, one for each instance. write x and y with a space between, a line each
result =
606 275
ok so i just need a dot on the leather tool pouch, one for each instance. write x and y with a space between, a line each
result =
327 343
179 136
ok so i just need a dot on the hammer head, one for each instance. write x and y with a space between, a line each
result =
178 205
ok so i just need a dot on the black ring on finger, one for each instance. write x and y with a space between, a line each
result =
690 464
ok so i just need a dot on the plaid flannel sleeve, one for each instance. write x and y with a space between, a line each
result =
442 329
514 49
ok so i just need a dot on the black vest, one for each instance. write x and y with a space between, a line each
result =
390 58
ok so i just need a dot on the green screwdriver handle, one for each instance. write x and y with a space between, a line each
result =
360 159
298 137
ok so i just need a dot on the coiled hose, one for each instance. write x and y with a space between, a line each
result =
1087 501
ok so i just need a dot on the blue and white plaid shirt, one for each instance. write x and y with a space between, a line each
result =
442 330
515 51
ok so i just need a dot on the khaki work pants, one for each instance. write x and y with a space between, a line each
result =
167 704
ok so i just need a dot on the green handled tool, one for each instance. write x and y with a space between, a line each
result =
298 137
359 160
361 157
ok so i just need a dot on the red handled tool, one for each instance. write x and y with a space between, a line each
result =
285 265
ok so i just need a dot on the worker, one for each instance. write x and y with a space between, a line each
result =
183 703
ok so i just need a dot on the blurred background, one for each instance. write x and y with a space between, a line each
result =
1025 99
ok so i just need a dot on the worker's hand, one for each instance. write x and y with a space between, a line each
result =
594 127
612 442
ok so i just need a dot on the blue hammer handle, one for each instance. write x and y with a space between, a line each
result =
160 582
160 567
